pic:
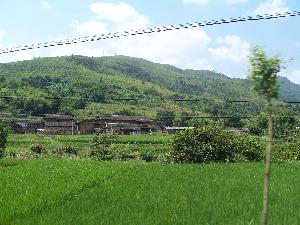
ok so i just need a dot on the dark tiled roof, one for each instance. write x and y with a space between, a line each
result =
58 124
125 118
54 116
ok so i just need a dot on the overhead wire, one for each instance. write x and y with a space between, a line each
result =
68 98
132 99
17 118
143 31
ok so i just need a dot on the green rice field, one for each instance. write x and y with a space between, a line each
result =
141 143
93 192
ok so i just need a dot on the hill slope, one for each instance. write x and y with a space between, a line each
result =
100 86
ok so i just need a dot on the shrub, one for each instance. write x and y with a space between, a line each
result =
38 149
25 155
164 158
3 140
121 153
287 151
202 145
248 148
67 150
148 156
214 144
101 144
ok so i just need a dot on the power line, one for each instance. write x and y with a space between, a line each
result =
143 31
231 117
199 100
213 117
96 117
105 100
69 98
292 102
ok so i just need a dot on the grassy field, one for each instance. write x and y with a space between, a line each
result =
141 143
92 192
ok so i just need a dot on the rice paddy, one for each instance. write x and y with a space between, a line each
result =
143 143
94 192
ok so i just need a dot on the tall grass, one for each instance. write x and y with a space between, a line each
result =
90 192
28 186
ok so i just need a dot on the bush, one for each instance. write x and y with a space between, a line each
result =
214 144
121 153
203 145
287 151
67 150
164 158
101 144
25 155
3 140
38 149
148 156
248 148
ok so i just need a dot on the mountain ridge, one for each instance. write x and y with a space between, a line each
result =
99 80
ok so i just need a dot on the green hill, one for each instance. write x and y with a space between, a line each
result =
92 86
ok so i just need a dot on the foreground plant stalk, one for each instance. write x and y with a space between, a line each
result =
267 178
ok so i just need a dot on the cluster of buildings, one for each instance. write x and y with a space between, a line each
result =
65 124
52 124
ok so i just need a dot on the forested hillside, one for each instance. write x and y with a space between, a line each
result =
86 86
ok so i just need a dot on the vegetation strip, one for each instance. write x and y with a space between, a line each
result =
72 195
172 194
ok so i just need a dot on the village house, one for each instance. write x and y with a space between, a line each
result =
174 130
14 127
87 126
127 129
123 125
126 125
58 124
52 124
32 127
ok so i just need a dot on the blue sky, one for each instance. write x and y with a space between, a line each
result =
223 48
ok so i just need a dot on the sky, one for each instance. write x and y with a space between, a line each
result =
222 48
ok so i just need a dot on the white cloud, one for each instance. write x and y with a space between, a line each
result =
294 76
205 2
179 48
182 48
197 2
2 33
236 1
272 6
89 28
121 14
16 56
200 63
46 5
19 56
234 49
186 49
77 49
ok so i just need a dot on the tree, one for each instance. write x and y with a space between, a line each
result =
3 140
165 118
284 124
263 72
